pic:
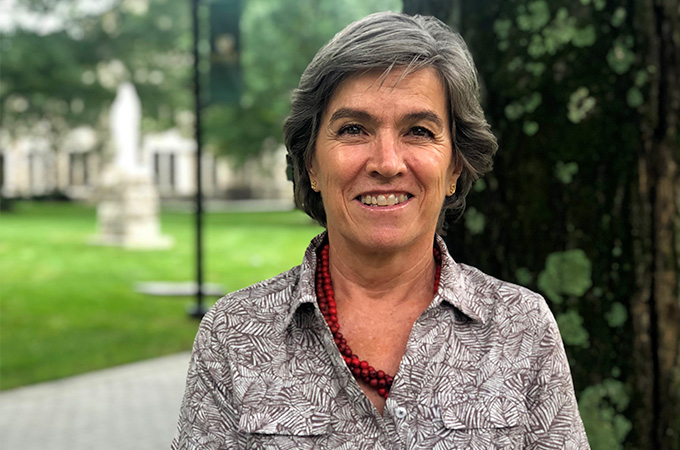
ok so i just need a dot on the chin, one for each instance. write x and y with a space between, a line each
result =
387 240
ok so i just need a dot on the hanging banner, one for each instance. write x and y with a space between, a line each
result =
225 47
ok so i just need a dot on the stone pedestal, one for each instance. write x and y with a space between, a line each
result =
127 213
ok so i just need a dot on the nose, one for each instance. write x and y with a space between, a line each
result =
386 158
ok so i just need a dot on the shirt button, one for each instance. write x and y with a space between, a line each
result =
400 412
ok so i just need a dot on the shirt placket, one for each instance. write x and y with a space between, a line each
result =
400 415
367 418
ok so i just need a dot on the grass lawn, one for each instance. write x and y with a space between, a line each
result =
68 307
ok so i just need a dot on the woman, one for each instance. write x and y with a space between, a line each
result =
379 339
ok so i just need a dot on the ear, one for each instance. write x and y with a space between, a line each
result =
311 172
455 169
454 173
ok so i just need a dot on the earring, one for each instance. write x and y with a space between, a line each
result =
452 189
313 183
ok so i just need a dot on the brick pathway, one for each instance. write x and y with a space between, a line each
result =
131 407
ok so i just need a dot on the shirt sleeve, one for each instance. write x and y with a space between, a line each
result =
207 419
554 419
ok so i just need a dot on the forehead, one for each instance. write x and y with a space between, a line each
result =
418 91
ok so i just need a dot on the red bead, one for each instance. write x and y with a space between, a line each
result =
372 373
373 383
357 372
364 365
382 392
381 374
381 382
364 373
355 361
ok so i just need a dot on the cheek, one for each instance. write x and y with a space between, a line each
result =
433 172
340 165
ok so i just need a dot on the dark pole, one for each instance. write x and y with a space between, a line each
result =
198 310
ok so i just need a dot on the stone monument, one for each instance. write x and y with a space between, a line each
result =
127 213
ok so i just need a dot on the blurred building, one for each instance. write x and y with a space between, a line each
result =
31 166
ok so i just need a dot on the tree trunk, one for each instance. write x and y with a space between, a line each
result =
657 307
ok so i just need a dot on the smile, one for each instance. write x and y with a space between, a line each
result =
384 199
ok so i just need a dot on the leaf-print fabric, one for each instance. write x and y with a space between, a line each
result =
484 368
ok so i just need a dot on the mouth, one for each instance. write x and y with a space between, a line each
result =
385 199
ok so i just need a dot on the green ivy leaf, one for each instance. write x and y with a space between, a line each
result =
601 407
634 97
621 56
524 276
565 171
619 16
581 103
474 221
565 273
617 315
571 329
530 127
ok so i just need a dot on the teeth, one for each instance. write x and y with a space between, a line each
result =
382 200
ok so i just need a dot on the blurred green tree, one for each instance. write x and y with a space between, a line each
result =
71 74
61 78
278 40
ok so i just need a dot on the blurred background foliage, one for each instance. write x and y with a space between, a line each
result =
278 43
583 202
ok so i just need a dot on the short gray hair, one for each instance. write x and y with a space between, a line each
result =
385 41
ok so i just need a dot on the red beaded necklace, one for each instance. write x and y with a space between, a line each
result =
361 370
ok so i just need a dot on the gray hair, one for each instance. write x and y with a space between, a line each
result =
386 41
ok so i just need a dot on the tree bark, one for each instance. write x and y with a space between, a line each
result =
659 293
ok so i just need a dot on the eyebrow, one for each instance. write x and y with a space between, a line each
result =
351 113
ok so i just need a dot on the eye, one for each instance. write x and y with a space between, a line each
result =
350 129
421 132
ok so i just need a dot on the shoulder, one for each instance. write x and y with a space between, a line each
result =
261 299
258 315
501 302
257 310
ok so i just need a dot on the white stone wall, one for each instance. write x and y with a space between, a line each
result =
32 166
29 167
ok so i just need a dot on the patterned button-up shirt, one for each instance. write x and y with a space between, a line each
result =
484 368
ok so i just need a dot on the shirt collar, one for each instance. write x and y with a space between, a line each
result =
305 291
455 286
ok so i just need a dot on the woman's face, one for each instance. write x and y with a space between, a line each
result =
383 160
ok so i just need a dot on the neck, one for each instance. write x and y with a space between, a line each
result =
389 276
374 378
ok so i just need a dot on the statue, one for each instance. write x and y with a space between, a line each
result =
126 115
127 213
